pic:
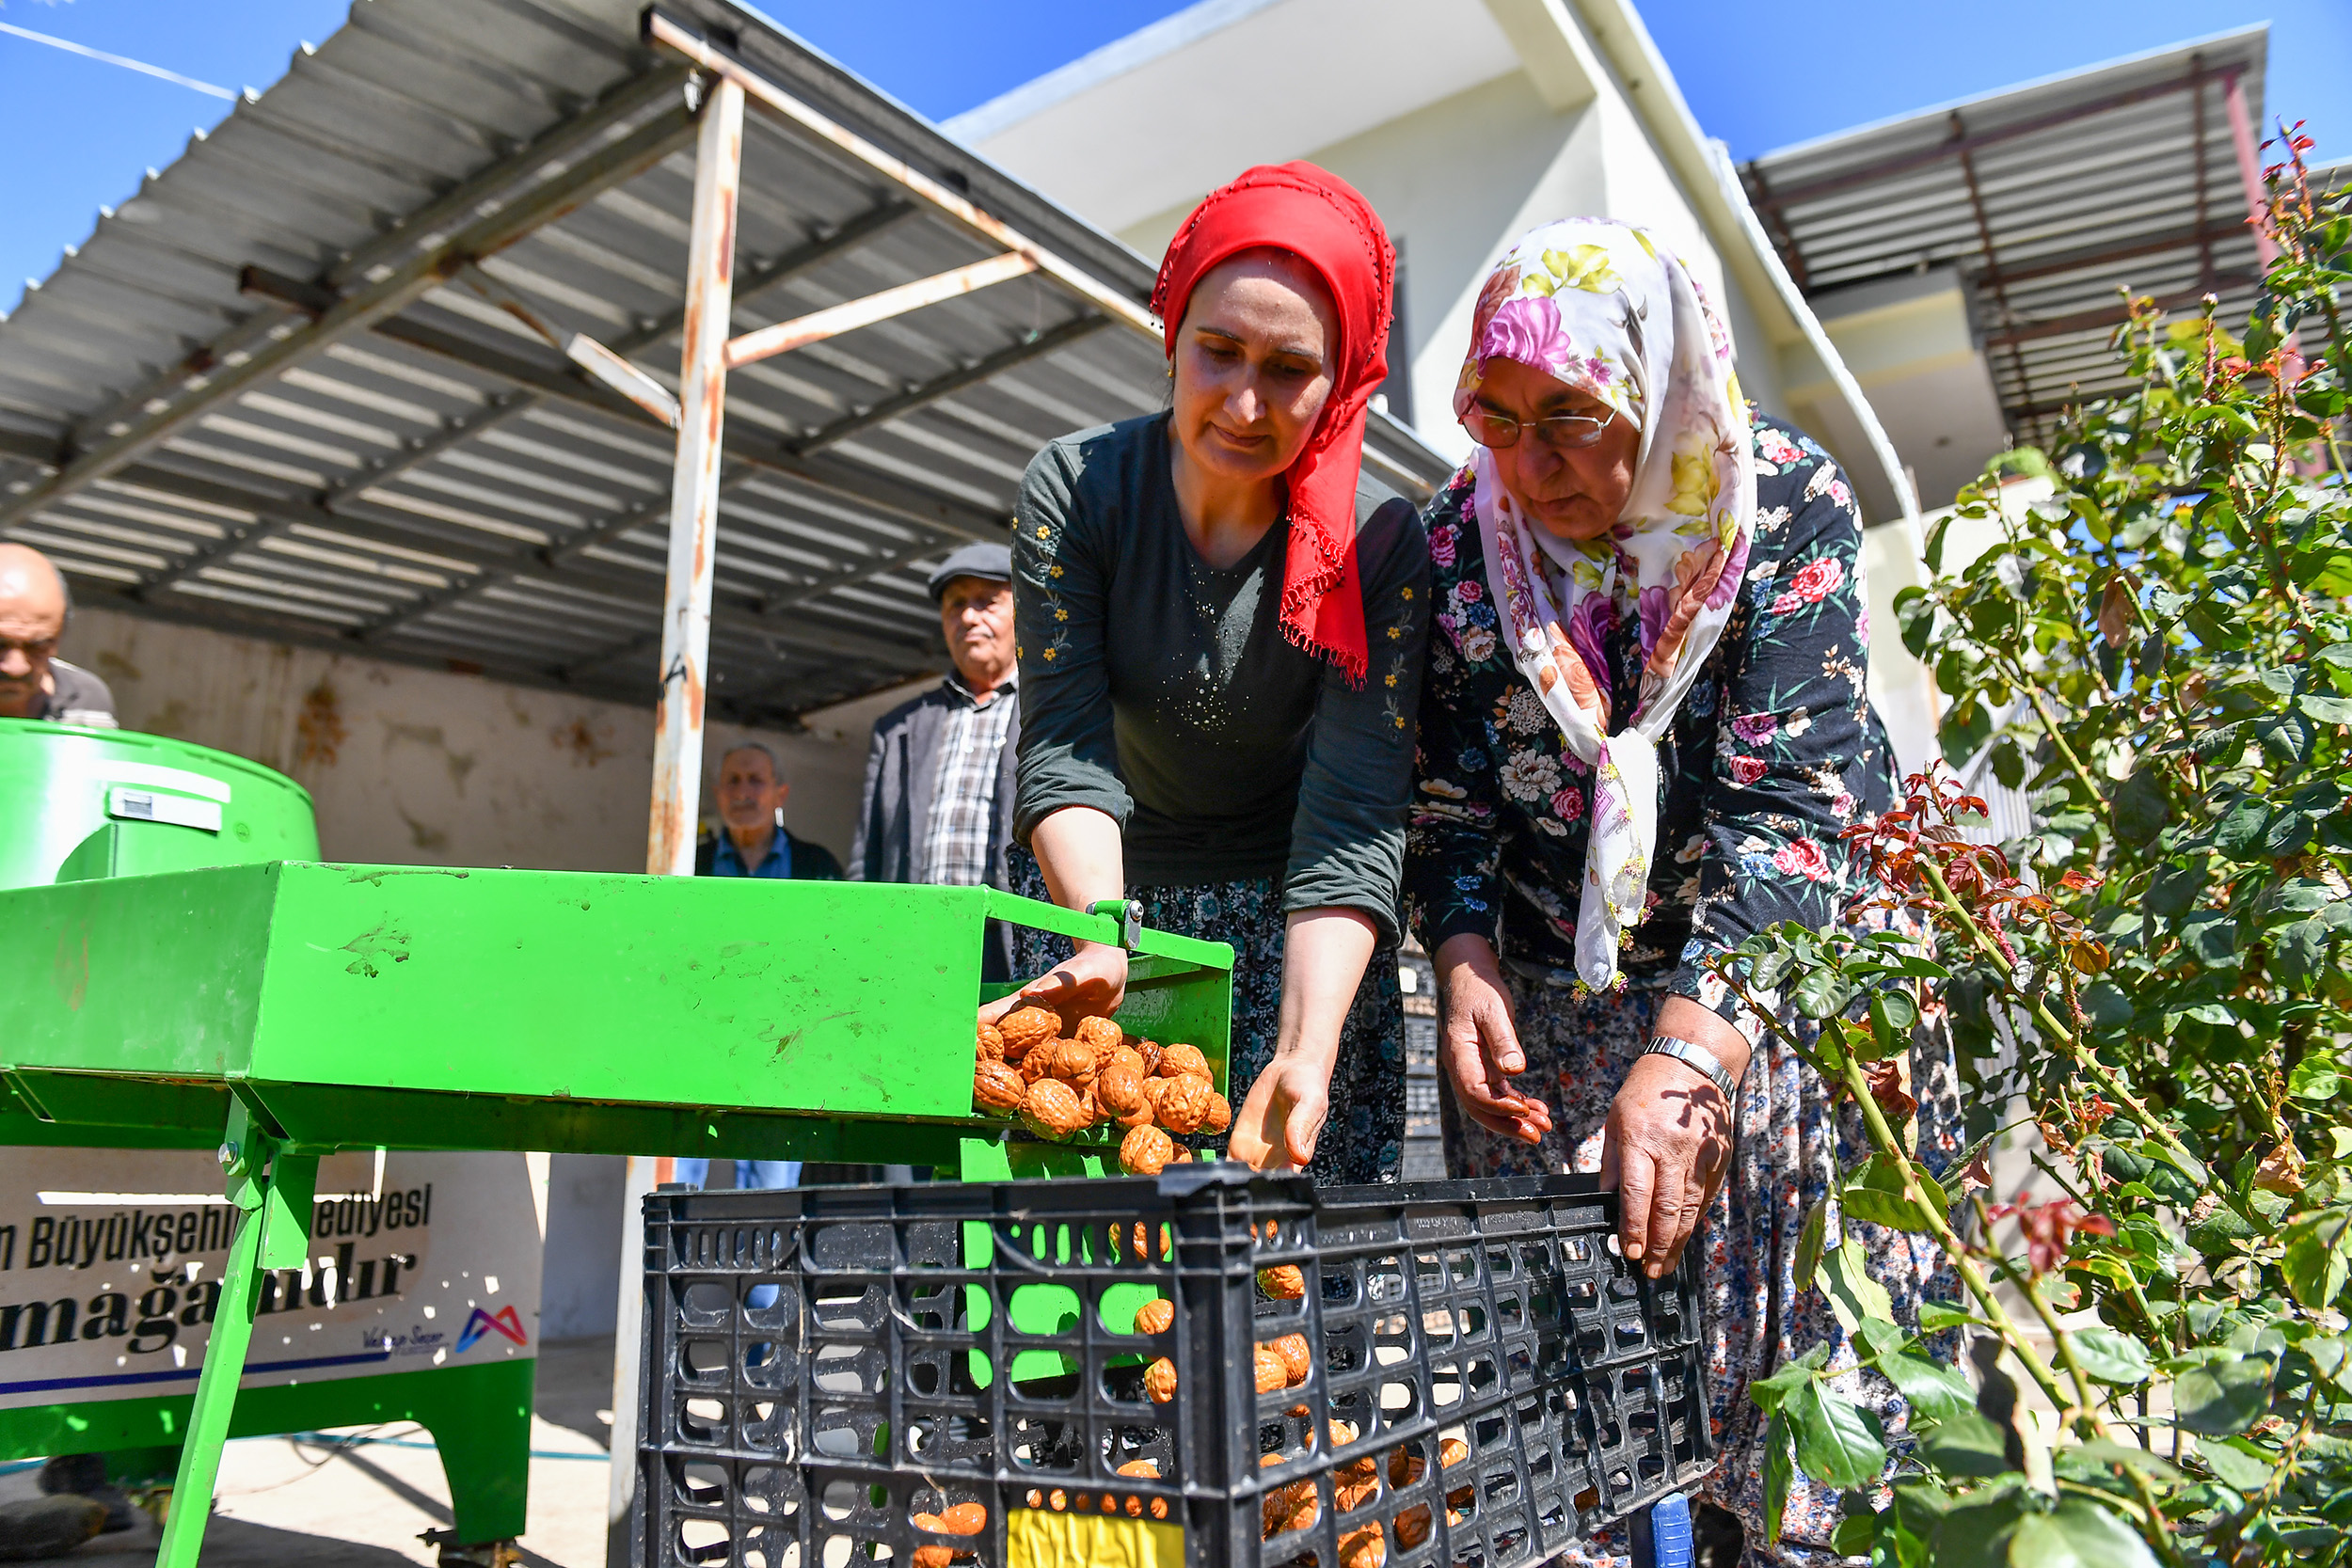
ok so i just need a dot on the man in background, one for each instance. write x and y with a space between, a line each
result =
33 682
754 841
939 788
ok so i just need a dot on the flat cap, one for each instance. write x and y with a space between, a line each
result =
991 561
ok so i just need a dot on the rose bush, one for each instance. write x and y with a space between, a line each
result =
2160 653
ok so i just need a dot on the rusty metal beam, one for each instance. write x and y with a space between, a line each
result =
1991 274
815 327
685 672
1783 238
666 33
2087 260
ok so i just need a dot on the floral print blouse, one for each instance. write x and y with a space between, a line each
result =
1774 752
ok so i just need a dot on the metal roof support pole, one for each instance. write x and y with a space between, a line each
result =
1991 262
677 747
677 757
2249 172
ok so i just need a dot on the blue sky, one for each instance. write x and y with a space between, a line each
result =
1759 76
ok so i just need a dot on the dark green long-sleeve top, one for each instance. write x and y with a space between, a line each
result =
1160 690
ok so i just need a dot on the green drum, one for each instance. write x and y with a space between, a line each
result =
83 803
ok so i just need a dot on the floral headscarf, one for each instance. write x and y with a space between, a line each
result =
1606 309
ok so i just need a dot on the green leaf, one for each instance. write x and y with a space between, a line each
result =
2140 806
1976 1533
1893 1013
2316 1077
1770 1393
1936 1391
2240 832
1970 1444
1779 1473
2299 955
1915 612
2210 937
1809 1242
1876 1193
2223 1396
2314 1261
1839 1443
1823 993
2234 1466
2328 710
2095 1456
2078 1534
1844 1277
1856 1535
1944 1314
2109 1356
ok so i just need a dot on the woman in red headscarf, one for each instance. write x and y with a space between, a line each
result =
1220 623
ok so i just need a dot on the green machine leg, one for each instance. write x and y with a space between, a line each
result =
274 1190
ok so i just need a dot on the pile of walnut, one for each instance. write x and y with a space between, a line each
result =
1060 1087
962 1519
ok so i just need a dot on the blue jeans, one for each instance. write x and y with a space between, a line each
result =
763 1175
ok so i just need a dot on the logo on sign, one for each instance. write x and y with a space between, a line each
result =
506 1322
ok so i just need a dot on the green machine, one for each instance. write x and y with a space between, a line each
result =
288 1009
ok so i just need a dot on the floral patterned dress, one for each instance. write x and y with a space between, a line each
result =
1773 754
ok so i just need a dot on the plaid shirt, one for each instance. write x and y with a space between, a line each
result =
956 847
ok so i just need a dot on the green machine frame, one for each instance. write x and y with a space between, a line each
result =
293 1009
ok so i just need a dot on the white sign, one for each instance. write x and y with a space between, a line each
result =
111 1259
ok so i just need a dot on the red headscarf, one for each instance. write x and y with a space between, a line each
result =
1320 219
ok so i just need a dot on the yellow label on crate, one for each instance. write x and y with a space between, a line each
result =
1037 1538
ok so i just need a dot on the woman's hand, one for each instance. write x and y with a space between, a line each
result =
1323 953
1478 1043
1668 1140
1280 1122
1090 983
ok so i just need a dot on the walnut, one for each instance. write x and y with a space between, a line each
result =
1342 1434
1451 1451
1088 1106
1363 1548
1220 1114
1142 1246
1405 1467
1026 1027
997 1090
1290 1506
1120 1088
1181 1157
1126 1055
1155 1317
1150 1052
1346 1497
1159 1381
1142 1468
962 1519
1183 1104
1297 1358
1412 1527
1283 1282
1145 1152
1052 1109
992 1046
1183 1061
1100 1035
1273 1377
1071 1061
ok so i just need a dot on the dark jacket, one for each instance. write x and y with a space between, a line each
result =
894 813
811 862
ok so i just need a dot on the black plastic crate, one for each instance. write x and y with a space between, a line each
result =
823 1365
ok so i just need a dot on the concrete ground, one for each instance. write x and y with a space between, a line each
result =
283 1502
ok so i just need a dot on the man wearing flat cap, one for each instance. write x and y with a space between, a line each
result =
939 789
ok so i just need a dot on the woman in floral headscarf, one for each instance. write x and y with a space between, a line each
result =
1642 729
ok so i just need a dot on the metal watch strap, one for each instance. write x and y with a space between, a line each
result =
1690 1053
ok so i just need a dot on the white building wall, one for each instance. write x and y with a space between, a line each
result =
411 766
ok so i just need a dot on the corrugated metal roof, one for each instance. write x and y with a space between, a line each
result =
2049 198
276 391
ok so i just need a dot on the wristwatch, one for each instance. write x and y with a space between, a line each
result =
1692 1054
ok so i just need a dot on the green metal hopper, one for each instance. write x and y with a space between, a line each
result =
290 1009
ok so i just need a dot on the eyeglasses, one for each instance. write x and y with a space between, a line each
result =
1560 432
